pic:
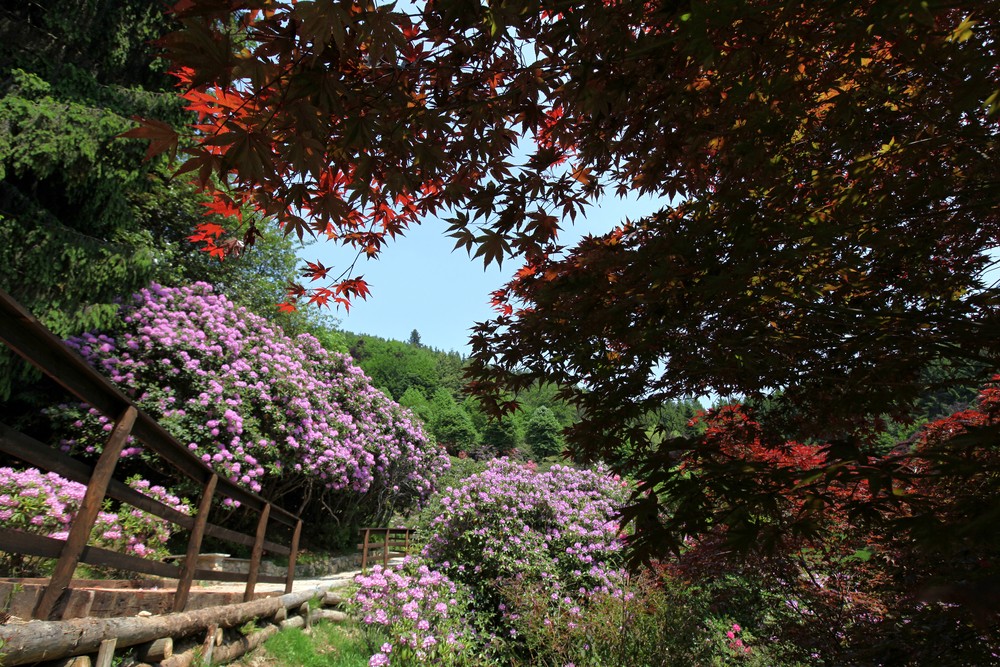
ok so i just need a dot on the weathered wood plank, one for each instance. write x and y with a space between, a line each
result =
90 506
246 540
46 547
76 661
293 554
194 544
106 653
257 553
208 645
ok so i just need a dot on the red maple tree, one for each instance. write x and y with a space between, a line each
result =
831 171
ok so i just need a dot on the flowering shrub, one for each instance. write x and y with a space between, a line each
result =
643 623
503 528
277 415
420 610
45 504
509 521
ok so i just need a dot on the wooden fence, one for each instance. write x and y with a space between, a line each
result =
393 542
185 639
23 334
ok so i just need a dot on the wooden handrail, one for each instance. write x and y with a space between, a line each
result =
26 336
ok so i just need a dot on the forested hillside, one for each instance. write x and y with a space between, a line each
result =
432 384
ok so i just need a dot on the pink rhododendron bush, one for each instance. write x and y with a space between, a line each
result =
45 504
284 417
513 559
526 568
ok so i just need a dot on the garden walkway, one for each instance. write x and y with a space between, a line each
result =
331 582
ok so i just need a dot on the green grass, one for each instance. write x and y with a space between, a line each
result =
329 646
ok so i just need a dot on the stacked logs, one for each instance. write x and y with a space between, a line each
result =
206 636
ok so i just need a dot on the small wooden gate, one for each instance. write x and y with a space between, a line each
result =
394 542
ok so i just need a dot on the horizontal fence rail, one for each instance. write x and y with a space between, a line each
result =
393 542
23 334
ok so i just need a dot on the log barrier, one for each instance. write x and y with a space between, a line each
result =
41 641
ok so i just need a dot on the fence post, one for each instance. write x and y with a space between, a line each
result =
364 550
194 544
255 555
292 556
83 523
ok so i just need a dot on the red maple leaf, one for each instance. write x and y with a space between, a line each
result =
162 137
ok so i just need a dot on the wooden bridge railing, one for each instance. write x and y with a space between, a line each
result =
23 334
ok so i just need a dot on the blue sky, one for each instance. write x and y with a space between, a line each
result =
420 283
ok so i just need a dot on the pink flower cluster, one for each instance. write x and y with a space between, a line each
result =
561 525
419 608
735 643
507 526
46 504
268 412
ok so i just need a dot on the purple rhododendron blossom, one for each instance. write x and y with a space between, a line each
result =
269 412
505 526
46 504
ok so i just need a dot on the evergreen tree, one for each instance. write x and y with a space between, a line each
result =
414 399
502 436
451 425
543 433
85 219
673 419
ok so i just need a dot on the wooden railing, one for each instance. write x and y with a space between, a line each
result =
23 334
394 542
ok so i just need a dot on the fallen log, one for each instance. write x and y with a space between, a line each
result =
293 622
235 649
331 615
222 654
155 651
50 640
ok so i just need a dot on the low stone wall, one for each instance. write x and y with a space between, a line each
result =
328 565
315 568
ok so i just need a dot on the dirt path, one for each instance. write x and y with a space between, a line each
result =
331 581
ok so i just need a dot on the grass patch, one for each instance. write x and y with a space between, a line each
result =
329 646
